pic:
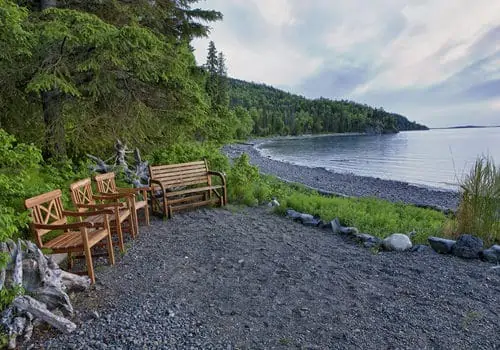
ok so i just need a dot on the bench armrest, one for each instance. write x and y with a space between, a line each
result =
75 225
219 174
159 183
133 189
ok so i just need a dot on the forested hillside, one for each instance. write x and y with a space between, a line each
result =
277 112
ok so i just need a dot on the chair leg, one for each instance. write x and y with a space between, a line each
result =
70 261
111 253
146 214
88 260
119 231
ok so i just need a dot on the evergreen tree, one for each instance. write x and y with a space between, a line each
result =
222 96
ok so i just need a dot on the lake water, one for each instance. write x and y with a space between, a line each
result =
435 158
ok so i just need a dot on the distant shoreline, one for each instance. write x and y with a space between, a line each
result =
346 185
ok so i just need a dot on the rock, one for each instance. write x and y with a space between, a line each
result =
315 221
420 248
336 226
467 247
398 242
299 216
273 203
492 254
364 237
441 245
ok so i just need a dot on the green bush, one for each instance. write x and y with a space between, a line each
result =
189 152
479 208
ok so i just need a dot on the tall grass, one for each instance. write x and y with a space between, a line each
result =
479 209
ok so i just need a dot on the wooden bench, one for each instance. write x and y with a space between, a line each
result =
48 215
185 185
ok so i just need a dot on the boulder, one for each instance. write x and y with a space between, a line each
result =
398 242
338 228
492 254
312 222
441 245
467 247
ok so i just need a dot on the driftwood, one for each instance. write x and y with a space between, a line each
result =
137 174
45 282
39 310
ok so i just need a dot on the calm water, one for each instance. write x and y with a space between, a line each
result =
436 158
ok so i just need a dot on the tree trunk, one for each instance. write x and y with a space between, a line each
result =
55 144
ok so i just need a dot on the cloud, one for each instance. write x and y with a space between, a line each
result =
422 58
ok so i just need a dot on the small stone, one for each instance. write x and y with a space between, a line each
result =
336 226
420 248
366 238
441 245
96 315
349 230
467 247
241 261
492 254
397 242
273 203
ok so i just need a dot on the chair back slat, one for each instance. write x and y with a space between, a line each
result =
81 193
46 208
106 183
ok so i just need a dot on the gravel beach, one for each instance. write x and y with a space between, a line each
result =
347 184
249 279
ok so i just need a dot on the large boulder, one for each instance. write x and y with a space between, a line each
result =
441 245
492 254
398 242
467 247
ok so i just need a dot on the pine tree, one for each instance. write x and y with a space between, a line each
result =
211 67
222 99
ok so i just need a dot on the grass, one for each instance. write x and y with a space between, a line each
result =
479 209
374 216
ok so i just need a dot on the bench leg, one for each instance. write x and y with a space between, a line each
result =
111 253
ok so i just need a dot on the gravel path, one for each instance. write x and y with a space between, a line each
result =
347 184
248 279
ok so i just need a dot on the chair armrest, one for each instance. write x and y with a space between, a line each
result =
219 174
104 196
88 213
133 189
116 205
75 225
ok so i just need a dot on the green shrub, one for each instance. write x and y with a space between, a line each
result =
479 207
189 152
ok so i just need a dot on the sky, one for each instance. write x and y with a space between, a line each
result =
435 61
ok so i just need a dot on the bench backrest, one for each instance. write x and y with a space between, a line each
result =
46 208
106 183
81 193
183 174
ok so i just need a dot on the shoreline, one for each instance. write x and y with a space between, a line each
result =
346 185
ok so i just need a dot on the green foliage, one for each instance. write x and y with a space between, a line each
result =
15 40
7 295
479 209
189 152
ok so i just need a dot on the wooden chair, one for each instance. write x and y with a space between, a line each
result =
85 200
48 215
106 185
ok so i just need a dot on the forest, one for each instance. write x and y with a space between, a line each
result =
276 112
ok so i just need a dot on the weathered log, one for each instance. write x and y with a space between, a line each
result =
38 310
19 325
74 282
17 275
3 250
